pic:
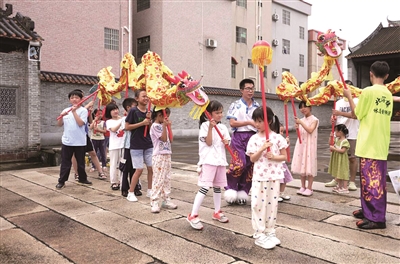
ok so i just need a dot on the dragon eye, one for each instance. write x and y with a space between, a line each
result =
321 38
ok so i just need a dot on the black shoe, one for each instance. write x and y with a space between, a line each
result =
124 193
60 185
138 193
358 214
85 182
366 224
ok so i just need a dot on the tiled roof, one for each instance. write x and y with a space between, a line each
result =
67 78
233 92
382 41
92 80
17 27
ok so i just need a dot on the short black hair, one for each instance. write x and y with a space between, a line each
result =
128 102
244 81
348 82
303 104
380 69
75 92
155 113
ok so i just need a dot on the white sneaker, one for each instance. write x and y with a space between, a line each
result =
352 186
155 208
168 205
148 195
273 238
265 242
194 221
283 196
280 199
131 197
332 183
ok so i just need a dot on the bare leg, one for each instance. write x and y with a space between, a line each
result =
353 169
74 164
340 183
310 181
344 184
303 181
96 161
135 179
282 187
149 177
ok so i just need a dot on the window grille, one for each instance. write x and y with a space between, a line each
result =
286 17
143 45
8 101
241 35
111 39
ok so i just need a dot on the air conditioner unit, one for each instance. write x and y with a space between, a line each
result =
275 42
275 74
275 17
211 43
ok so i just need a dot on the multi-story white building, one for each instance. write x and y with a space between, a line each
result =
209 39
283 24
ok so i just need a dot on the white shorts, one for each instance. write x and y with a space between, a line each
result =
212 176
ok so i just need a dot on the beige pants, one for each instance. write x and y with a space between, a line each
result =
264 206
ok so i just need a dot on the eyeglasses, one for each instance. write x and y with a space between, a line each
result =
249 89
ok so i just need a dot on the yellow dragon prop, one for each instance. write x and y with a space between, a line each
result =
162 87
328 46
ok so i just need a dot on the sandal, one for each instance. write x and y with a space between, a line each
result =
92 169
115 186
76 177
102 176
358 214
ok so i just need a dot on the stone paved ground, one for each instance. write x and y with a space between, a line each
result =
93 224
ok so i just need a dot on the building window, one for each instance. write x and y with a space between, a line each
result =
301 60
111 39
241 35
250 64
233 70
8 101
301 32
242 3
286 17
285 46
265 71
142 5
285 70
143 45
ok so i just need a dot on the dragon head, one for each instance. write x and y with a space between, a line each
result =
327 44
188 89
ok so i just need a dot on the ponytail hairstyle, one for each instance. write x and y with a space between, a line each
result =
342 128
155 114
212 107
273 120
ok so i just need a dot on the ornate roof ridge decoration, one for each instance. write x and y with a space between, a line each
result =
365 41
393 23
18 27
59 77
